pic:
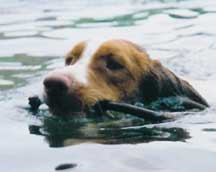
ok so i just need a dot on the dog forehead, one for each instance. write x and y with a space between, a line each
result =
80 68
91 48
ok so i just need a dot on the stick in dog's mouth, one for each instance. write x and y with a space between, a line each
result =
125 108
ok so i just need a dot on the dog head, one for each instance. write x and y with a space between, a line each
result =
96 71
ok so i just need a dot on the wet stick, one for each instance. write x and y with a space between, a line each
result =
190 104
34 103
144 113
134 110
140 112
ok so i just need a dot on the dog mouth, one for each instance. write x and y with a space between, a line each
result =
61 104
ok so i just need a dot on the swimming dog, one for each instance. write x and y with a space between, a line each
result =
113 70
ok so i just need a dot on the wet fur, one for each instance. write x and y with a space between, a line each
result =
161 82
141 79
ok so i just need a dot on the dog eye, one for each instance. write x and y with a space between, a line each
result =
113 65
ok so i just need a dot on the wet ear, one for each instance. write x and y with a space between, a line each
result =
68 60
149 86
71 58
75 53
157 81
149 82
160 82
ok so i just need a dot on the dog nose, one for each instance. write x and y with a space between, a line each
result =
57 83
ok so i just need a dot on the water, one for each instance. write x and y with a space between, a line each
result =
35 35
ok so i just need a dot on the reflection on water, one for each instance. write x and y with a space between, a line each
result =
109 127
63 132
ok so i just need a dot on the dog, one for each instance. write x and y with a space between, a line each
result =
112 70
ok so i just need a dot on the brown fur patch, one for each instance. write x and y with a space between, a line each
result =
74 55
121 71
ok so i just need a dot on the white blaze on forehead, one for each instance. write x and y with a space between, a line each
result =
80 69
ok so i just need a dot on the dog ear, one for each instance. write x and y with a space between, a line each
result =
192 93
160 82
